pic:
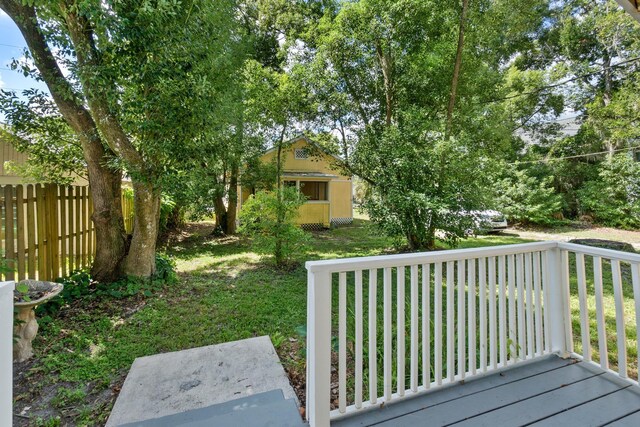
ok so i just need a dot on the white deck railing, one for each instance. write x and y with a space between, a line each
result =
463 313
6 353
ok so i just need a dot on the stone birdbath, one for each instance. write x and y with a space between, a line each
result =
25 300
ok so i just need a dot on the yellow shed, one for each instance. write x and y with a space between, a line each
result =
314 172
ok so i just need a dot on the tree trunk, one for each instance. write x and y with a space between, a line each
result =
141 260
221 214
606 100
386 64
233 201
107 218
456 67
278 251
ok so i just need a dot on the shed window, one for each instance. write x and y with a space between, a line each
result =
290 184
301 154
314 190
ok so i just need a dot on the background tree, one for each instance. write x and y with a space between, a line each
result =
383 81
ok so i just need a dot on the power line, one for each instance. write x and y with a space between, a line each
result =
562 83
12 45
571 157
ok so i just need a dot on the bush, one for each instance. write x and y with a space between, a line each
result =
165 268
614 198
524 198
270 220
79 284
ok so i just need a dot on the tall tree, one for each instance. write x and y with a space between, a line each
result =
137 83
386 82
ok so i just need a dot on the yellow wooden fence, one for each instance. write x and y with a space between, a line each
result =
46 230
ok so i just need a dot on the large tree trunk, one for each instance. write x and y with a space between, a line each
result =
108 222
104 182
141 261
456 67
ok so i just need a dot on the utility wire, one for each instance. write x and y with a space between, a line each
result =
12 45
562 83
570 157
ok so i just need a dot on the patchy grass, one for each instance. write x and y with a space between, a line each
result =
225 292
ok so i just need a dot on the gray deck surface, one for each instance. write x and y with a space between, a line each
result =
547 392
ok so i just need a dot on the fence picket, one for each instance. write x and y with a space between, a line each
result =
63 230
9 251
51 194
85 227
20 232
31 233
41 224
78 228
72 230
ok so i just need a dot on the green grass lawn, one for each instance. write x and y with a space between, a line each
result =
225 292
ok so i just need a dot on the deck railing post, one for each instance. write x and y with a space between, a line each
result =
6 353
557 301
318 348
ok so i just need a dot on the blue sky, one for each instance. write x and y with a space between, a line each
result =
11 46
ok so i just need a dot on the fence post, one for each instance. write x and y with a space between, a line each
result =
6 353
318 348
558 303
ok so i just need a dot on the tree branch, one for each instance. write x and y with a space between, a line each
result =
457 66
81 33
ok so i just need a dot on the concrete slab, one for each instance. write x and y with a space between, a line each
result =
170 383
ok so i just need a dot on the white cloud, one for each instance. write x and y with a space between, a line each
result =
2 14
1 82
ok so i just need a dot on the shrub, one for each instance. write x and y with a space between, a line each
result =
614 198
269 218
524 198
165 268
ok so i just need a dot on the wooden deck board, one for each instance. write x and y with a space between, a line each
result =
597 412
632 420
542 391
472 386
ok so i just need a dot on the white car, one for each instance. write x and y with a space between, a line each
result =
489 221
